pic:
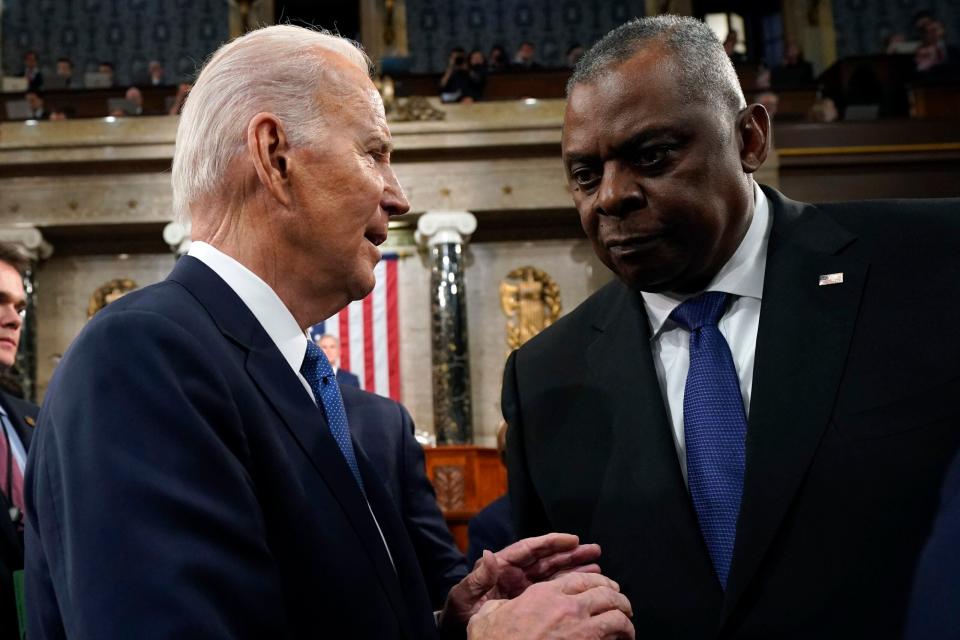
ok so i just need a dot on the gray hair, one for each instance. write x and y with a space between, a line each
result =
273 69
705 70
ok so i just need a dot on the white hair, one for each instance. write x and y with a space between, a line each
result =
274 69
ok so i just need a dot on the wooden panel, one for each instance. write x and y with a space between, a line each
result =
92 103
863 160
500 86
466 478
935 101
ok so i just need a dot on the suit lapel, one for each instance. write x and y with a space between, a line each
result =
804 335
643 473
305 421
307 424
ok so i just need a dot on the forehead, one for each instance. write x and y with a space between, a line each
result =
350 97
641 92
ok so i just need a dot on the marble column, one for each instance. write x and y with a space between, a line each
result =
31 243
445 234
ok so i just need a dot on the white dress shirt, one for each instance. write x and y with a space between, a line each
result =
742 277
269 310
263 302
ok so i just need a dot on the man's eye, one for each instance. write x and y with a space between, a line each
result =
585 178
651 157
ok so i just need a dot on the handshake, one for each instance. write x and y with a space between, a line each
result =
545 587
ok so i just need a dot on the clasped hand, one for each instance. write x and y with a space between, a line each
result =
538 587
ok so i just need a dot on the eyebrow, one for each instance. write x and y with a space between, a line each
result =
636 140
6 298
385 143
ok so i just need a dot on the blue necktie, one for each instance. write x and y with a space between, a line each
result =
715 427
319 375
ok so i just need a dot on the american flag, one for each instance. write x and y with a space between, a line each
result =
369 333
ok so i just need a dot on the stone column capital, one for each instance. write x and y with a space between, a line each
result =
29 239
177 235
442 227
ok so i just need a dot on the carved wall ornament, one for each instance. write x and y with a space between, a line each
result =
531 301
109 292
448 480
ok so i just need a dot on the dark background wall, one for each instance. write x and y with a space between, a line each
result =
435 26
128 33
861 25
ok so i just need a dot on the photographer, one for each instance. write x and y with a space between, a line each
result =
460 82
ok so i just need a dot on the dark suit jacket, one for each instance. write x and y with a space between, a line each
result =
935 606
347 379
852 423
384 430
491 528
181 483
22 416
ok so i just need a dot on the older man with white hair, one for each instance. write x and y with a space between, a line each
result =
193 473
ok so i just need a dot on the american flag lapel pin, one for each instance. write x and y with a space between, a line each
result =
831 278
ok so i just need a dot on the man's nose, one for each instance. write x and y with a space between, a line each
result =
10 317
619 191
394 200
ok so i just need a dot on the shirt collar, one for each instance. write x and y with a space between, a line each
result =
741 276
263 302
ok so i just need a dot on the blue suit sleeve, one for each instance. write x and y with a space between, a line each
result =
441 562
142 520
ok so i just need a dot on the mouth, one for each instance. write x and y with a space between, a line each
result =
7 342
622 247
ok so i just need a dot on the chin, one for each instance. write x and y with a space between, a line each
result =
361 287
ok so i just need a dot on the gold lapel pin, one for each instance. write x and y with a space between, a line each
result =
30 421
831 278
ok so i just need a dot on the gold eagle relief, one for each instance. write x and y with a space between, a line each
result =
531 301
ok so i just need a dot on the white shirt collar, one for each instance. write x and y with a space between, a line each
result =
741 276
263 302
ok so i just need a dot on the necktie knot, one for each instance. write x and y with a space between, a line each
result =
315 365
702 311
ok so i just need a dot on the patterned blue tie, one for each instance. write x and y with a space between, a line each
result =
319 375
715 427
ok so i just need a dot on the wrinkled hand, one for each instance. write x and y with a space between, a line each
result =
509 572
575 606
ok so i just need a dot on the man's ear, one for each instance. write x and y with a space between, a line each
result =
267 148
753 128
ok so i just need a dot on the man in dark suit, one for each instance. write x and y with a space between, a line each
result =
385 432
934 613
754 420
330 345
17 418
192 473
